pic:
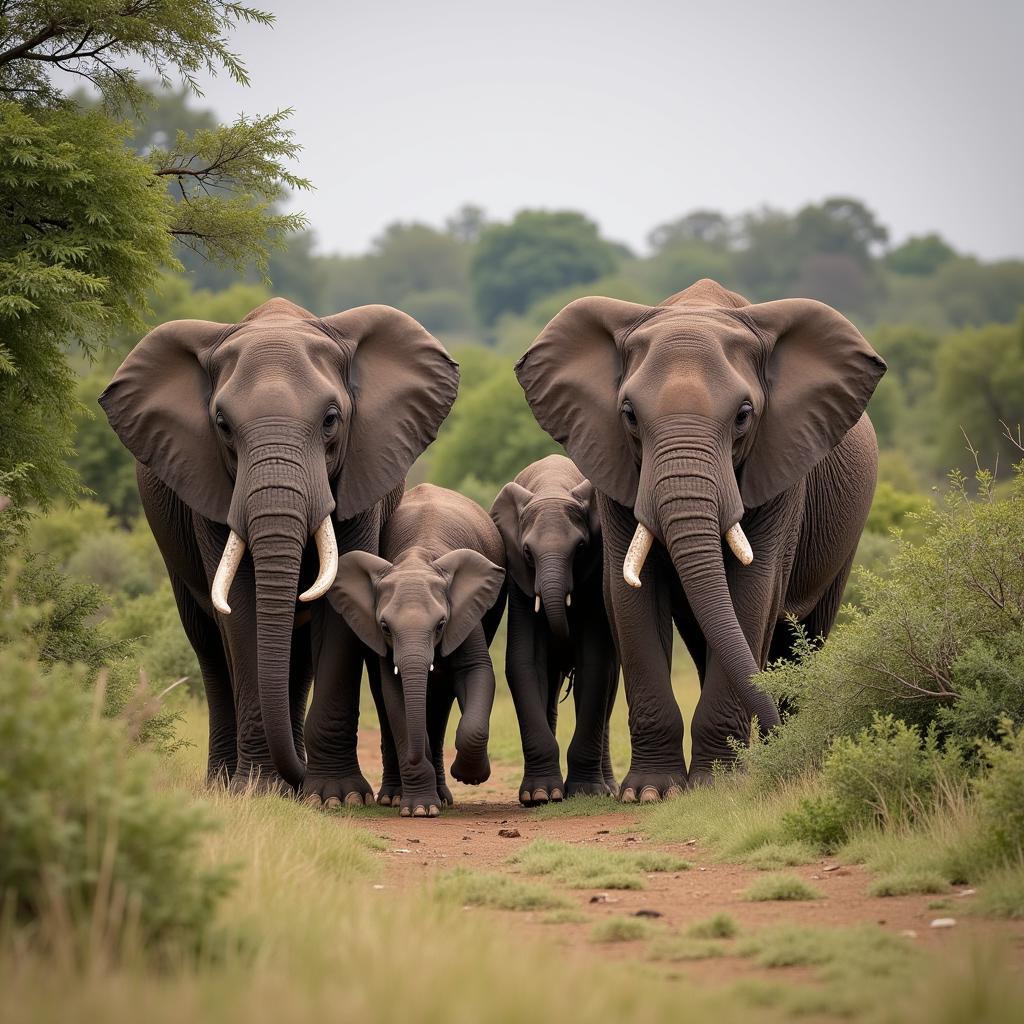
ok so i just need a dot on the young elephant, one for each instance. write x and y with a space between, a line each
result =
548 520
430 607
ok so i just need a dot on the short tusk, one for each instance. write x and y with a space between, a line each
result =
327 548
229 563
568 600
396 670
738 544
431 669
536 604
639 549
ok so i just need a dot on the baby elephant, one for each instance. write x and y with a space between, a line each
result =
429 607
548 521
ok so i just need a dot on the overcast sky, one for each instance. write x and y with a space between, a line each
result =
636 112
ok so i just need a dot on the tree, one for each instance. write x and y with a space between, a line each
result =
538 253
707 226
467 223
86 224
920 255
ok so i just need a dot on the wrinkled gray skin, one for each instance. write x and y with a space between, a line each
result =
268 427
429 606
690 417
548 520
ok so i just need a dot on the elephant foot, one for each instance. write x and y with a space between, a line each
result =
650 787
420 805
699 777
389 794
331 791
612 784
260 780
447 800
539 788
575 786
471 769
219 774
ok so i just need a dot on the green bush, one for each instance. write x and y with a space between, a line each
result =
92 856
1001 796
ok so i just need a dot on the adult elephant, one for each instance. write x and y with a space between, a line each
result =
263 447
701 419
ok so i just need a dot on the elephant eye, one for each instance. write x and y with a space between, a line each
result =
528 556
385 628
743 415
331 421
441 625
223 427
629 413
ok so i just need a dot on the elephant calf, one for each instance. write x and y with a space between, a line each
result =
548 519
430 607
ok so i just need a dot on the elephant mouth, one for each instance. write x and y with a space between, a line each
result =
234 549
643 540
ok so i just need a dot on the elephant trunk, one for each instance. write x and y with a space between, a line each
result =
695 501
413 661
554 584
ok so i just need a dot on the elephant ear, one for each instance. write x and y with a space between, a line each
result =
506 512
474 583
584 494
820 372
159 406
571 375
353 595
403 384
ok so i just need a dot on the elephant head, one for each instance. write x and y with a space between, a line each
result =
552 537
417 609
271 426
690 413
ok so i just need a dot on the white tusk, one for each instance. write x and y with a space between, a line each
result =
639 548
536 604
568 600
431 669
229 563
396 670
327 548
738 544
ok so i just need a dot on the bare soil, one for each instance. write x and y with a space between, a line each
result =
468 835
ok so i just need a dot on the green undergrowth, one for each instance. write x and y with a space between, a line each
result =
591 867
720 926
780 887
621 929
501 892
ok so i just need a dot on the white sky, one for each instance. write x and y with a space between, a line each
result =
636 112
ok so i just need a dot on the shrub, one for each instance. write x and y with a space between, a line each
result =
780 887
620 929
721 926
1001 796
92 856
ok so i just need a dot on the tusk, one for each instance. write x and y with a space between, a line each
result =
396 670
738 544
327 548
431 669
568 600
536 604
229 563
639 548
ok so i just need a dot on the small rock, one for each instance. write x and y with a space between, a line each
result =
509 833
466 839
702 869
647 912
603 897
816 878
378 887
412 840
603 832
909 933
401 849
944 922
966 892
631 839
831 867
690 842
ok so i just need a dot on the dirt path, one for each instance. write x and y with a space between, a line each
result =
470 835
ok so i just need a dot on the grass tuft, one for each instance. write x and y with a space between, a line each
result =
620 929
781 887
721 926
591 867
677 948
909 882
1001 895
484 889
570 915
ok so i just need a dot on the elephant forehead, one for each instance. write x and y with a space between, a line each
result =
552 518
414 592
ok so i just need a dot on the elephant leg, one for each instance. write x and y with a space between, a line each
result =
542 774
205 638
439 707
333 775
642 626
472 676
607 769
594 657
390 791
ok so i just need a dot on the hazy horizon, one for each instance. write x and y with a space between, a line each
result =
635 114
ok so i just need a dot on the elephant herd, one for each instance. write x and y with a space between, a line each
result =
720 470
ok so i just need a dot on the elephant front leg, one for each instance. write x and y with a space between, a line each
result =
593 682
439 706
526 670
473 683
642 625
333 776
390 792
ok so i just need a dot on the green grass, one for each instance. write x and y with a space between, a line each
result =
1000 895
676 948
908 882
593 867
583 807
721 926
502 892
568 916
780 887
620 929
772 856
